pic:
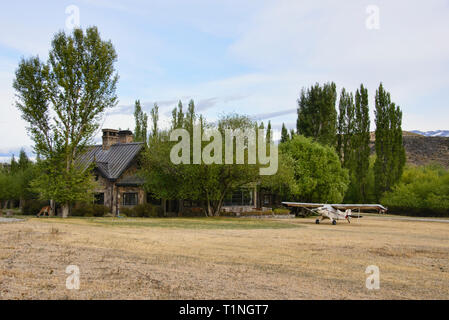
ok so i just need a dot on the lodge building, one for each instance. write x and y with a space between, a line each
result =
116 163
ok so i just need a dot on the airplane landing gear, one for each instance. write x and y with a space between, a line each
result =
317 221
334 222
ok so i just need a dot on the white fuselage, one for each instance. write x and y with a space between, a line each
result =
329 212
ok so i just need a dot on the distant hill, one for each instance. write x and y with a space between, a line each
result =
422 149
436 133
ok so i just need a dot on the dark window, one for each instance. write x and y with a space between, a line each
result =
243 197
130 199
151 199
99 198
187 203
173 205
267 199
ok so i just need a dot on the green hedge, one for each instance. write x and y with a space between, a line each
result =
193 212
422 191
90 210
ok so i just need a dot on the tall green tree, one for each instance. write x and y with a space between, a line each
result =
24 162
178 116
317 115
269 134
62 100
284 134
190 116
141 123
362 150
346 129
154 114
390 152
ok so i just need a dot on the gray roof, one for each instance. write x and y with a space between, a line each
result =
112 162
131 181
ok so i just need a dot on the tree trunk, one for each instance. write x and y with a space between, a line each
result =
52 208
65 210
6 204
21 203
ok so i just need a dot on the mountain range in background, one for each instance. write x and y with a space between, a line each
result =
436 133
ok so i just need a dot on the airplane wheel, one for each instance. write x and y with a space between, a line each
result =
317 221
334 222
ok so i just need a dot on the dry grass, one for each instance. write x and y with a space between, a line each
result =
223 259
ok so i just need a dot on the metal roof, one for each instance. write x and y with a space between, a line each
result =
131 181
112 162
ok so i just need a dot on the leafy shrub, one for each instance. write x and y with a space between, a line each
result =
145 210
90 210
193 212
315 173
422 191
281 211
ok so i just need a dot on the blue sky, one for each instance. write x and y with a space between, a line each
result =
250 57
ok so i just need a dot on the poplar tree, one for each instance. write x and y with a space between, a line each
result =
180 120
154 113
141 120
317 115
346 129
284 134
190 116
362 149
137 120
390 153
269 134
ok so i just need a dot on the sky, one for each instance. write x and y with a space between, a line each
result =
248 57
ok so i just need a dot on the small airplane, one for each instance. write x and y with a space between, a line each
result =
333 211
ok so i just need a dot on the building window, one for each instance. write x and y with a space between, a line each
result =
187 204
99 198
267 199
243 197
151 199
130 199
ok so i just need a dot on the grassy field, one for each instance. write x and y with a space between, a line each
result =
223 258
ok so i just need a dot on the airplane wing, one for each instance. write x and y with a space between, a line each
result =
340 206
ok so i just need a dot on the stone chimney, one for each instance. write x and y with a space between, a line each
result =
110 137
125 136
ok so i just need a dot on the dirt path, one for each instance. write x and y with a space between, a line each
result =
10 220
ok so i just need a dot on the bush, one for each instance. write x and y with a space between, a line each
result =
281 211
90 210
193 212
32 207
422 191
145 210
